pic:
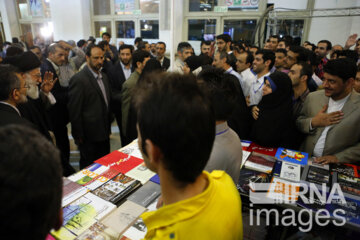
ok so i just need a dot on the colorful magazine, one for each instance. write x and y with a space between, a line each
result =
292 156
260 162
120 161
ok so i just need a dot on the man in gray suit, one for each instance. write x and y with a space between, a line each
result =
89 98
330 117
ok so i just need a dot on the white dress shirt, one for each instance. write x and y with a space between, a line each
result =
234 73
256 90
247 78
127 71
333 107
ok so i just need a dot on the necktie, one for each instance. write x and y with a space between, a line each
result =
102 87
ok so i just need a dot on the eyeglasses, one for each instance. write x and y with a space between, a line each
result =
37 76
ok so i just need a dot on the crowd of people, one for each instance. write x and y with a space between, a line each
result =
187 118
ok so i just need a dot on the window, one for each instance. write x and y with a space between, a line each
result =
202 29
293 28
22 8
149 29
149 6
31 8
101 27
202 5
125 29
240 29
101 7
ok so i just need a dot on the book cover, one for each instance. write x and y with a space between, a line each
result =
101 179
82 213
260 162
248 177
263 150
87 174
292 156
245 144
277 168
137 231
290 171
146 194
245 155
123 217
141 173
347 184
120 161
313 201
98 231
316 175
283 191
347 169
117 188
155 179
311 162
351 208
71 191
132 149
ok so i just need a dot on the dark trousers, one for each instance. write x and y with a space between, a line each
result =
63 144
91 151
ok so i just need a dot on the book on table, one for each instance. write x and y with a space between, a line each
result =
260 162
71 191
146 194
120 161
292 156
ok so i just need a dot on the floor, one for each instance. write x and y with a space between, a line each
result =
115 144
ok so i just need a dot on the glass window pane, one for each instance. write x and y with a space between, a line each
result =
101 27
36 8
149 6
101 7
124 6
291 27
238 5
149 29
202 29
25 28
125 29
23 8
47 9
202 5
240 29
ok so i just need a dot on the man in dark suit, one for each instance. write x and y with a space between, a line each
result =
89 98
118 74
112 52
58 113
12 92
160 55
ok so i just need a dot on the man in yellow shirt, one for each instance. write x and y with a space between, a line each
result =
176 130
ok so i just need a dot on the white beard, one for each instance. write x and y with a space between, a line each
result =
33 91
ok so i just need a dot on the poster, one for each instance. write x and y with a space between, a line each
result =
36 8
242 3
124 6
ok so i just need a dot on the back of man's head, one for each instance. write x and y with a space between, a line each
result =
225 37
137 40
182 46
343 68
139 56
31 184
183 127
221 90
267 55
351 54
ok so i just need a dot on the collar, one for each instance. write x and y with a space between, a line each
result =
222 128
304 95
179 211
261 79
339 102
230 69
123 66
96 75
56 67
6 103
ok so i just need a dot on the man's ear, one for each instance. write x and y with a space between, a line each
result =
303 78
350 82
267 63
154 153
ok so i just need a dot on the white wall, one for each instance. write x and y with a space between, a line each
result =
334 29
71 19
297 4
9 18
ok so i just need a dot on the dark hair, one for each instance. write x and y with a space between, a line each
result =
162 43
287 43
253 46
343 68
103 44
313 59
267 55
35 47
281 50
13 51
305 70
351 54
249 57
91 46
205 43
193 62
301 51
137 40
182 46
31 183
183 127
139 56
80 43
328 44
8 80
106 34
225 37
126 46
221 90
358 68
289 39
275 36
223 55
142 45
151 66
